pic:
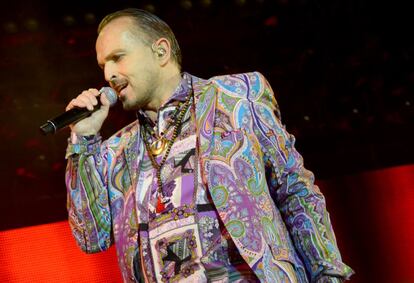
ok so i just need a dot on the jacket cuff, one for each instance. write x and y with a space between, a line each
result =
333 273
329 279
82 144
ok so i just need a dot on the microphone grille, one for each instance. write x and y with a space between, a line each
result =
110 94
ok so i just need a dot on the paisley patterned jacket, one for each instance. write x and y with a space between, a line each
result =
264 196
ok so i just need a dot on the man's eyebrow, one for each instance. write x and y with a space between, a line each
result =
110 56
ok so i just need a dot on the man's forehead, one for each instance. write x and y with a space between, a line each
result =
119 35
123 24
116 26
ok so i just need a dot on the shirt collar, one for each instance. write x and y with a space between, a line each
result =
180 94
183 89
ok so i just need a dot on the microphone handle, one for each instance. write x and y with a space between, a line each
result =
71 116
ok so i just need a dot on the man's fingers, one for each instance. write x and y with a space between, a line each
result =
84 101
88 99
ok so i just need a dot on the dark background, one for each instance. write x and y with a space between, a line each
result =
342 72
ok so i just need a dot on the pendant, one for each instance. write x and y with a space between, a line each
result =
160 205
158 146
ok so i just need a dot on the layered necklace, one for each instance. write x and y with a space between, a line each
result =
162 144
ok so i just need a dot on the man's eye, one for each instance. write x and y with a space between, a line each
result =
117 58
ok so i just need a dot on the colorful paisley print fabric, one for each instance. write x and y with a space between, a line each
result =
266 199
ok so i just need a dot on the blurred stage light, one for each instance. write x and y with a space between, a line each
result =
149 7
68 20
89 18
31 24
271 21
186 4
10 27
206 3
240 2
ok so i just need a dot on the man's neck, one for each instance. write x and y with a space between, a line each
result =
166 88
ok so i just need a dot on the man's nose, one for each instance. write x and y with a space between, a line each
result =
109 72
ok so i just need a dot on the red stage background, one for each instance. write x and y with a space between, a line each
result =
373 220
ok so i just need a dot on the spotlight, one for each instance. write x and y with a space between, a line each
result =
206 3
89 18
240 2
186 4
68 20
10 27
149 7
31 24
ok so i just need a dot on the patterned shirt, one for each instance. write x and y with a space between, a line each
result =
185 242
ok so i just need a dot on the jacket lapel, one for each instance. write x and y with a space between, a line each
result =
205 104
133 153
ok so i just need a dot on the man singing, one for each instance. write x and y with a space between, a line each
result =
205 185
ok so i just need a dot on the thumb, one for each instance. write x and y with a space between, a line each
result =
104 100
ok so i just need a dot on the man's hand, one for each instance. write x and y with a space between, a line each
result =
92 124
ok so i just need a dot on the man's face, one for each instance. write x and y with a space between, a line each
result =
129 65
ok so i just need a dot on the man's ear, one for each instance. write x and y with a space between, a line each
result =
162 49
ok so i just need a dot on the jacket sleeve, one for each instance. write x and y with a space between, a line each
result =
87 194
299 200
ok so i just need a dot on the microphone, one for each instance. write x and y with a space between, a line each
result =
76 114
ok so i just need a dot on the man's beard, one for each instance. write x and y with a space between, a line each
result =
137 102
